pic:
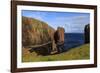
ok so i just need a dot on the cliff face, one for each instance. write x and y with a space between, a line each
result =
35 32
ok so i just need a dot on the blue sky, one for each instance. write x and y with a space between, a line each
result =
71 21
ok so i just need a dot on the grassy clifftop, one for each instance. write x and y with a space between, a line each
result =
35 32
78 53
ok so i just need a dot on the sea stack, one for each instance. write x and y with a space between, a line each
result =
87 33
59 38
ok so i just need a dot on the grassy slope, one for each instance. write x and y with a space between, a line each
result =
81 52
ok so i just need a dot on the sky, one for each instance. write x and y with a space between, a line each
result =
72 22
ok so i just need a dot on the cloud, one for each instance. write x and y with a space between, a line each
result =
70 18
81 20
73 23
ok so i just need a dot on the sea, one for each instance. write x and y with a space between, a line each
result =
73 40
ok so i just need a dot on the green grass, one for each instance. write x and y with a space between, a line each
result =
78 53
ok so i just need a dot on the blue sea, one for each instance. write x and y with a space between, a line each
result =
73 40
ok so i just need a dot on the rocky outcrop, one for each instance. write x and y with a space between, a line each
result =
59 39
87 33
59 35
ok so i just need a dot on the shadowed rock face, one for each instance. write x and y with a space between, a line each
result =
87 33
35 32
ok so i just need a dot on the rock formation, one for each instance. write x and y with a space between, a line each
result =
36 32
87 33
59 38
